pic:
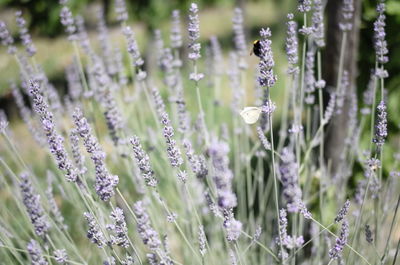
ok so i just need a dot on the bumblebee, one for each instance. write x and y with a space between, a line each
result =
256 48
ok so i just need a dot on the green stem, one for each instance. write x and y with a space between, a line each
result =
274 176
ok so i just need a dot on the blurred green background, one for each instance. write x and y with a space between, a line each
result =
54 51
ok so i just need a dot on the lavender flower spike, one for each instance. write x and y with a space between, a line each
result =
202 241
368 234
175 35
24 34
105 182
267 77
35 253
146 232
33 206
381 126
7 39
134 51
67 20
119 228
288 169
143 162
61 256
283 236
54 139
341 241
120 9
380 34
263 139
304 6
318 24
174 154
239 38
194 32
94 233
342 212
292 45
347 13
194 46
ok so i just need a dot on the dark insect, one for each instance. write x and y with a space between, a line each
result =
256 48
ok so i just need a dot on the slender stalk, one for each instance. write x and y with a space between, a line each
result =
274 175
390 231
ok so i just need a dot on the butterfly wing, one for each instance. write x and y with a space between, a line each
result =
250 115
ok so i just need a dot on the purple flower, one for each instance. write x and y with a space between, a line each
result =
340 96
266 78
68 22
202 241
347 14
304 6
6 38
194 33
174 154
233 229
288 169
143 162
263 139
54 139
197 162
223 176
342 212
158 102
183 116
368 234
239 38
291 46
146 232
341 241
309 78
3 121
128 260
36 213
381 49
61 256
303 209
175 35
79 159
105 182
120 9
133 48
119 228
318 24
35 253
381 125
24 34
94 232
194 23
330 108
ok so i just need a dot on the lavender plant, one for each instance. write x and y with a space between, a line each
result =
169 181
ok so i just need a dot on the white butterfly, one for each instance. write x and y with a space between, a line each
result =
250 115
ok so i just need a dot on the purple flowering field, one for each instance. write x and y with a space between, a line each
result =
160 146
